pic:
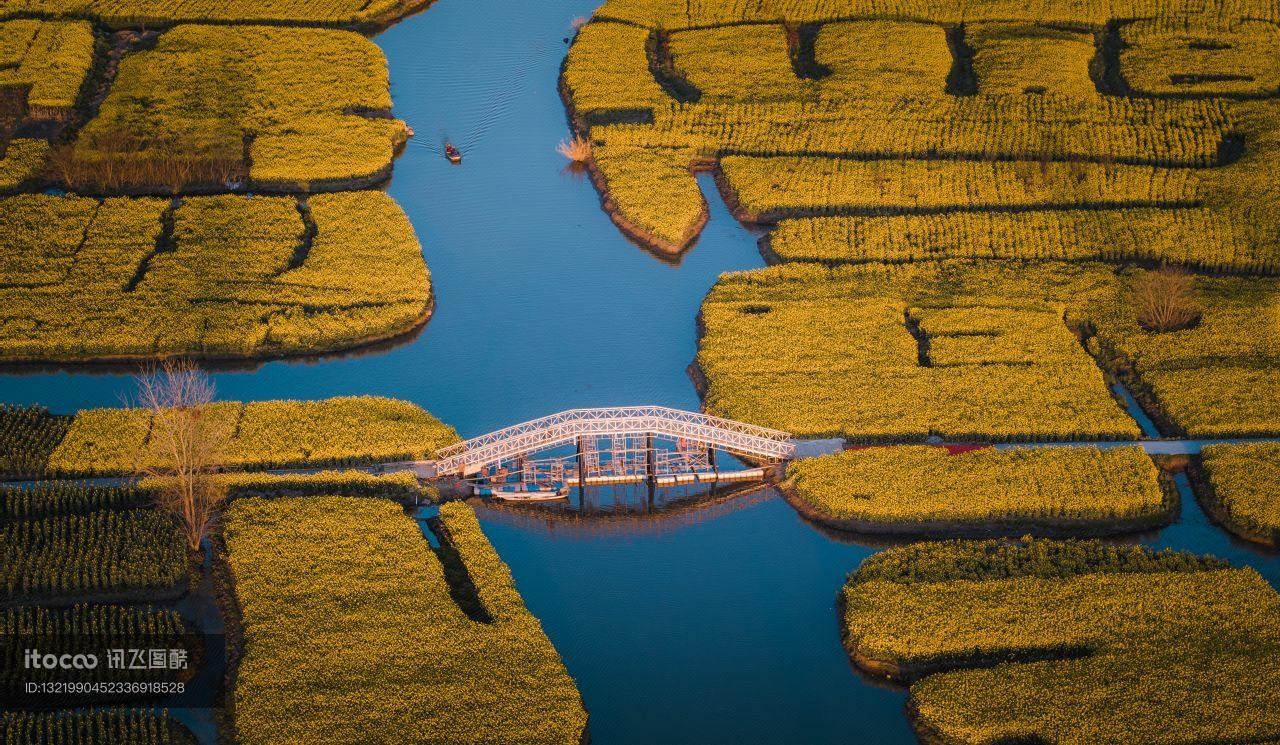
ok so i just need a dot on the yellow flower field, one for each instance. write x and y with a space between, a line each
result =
1241 488
939 111
223 276
208 101
265 434
390 656
121 13
848 352
918 489
982 351
1069 642
50 59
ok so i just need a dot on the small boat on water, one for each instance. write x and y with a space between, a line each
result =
452 153
524 492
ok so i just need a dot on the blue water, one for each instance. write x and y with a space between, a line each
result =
716 628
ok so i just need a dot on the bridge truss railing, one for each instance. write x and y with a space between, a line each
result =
469 456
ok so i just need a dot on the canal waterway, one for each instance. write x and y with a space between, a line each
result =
712 630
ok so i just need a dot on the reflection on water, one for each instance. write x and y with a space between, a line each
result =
718 630
625 509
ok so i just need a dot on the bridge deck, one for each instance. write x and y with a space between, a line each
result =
470 456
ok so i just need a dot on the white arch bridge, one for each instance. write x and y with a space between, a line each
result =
609 445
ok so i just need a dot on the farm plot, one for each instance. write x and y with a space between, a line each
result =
1068 642
46 64
966 352
276 109
90 628
367 14
100 555
386 632
983 351
117 726
1164 58
223 276
28 435
919 489
1240 487
968 133
349 430
1199 238
1216 377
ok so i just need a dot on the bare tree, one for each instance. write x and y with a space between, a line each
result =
186 446
1165 300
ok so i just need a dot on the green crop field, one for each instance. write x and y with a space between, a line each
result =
102 554
93 727
919 489
220 276
389 649
1069 642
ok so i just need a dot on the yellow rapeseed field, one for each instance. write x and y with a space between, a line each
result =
346 430
51 60
1197 237
23 163
1164 57
152 13
390 656
1026 58
1069 642
1242 489
849 352
208 101
791 185
857 351
984 107
221 276
915 488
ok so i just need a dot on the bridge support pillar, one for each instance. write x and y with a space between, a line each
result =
582 472
650 460
711 460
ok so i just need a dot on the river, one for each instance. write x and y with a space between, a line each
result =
708 630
